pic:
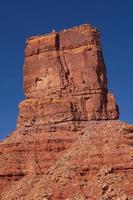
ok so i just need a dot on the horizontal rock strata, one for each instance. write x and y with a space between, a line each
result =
68 143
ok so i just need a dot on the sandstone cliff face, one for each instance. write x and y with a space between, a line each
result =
68 110
68 66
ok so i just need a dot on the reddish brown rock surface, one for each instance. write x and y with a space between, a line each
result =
67 70
68 143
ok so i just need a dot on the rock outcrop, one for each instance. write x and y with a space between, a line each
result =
66 70
69 143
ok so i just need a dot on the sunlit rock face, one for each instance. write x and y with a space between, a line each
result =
66 96
65 74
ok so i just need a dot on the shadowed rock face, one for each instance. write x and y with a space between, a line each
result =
68 110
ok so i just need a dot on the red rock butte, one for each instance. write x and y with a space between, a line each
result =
69 143
68 67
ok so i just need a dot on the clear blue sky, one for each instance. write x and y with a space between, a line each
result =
21 19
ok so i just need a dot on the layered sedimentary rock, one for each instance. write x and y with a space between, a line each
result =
98 166
65 81
67 107
67 70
